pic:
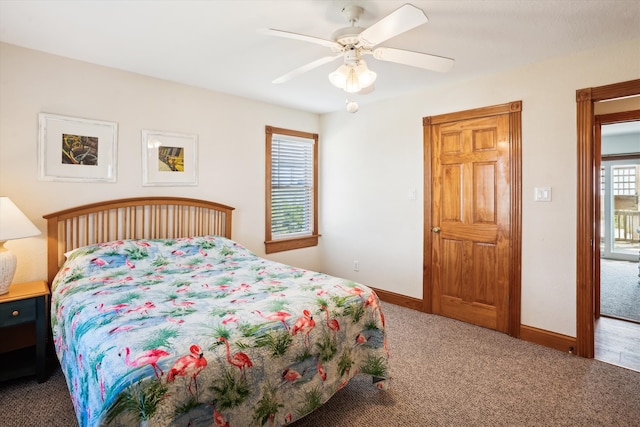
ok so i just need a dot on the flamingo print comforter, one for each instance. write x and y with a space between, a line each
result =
201 331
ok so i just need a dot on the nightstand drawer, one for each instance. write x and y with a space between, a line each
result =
16 312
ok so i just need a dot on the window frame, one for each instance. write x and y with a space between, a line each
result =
302 241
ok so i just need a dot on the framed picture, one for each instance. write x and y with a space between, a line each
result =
75 149
169 158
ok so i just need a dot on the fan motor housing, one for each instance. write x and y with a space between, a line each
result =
347 36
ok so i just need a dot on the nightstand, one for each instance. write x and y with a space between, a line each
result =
26 303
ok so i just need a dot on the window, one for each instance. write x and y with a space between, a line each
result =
624 180
291 196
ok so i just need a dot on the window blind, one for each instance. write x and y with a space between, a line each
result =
291 186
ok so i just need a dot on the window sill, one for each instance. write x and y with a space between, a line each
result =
273 246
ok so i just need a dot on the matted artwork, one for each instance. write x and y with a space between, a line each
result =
169 158
76 149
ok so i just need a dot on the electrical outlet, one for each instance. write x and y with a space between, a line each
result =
356 265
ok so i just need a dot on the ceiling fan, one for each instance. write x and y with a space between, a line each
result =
353 42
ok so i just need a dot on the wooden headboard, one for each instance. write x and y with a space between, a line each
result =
132 218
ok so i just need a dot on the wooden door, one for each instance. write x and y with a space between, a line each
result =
470 235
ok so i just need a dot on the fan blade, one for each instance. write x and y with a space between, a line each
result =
367 90
414 59
397 22
295 36
305 68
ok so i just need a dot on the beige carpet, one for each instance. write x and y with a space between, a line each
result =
445 373
620 289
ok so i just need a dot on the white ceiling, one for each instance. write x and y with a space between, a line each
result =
216 44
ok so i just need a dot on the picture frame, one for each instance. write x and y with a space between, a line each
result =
76 149
169 158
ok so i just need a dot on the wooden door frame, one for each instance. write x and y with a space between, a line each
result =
587 241
514 110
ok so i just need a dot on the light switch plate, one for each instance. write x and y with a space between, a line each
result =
542 194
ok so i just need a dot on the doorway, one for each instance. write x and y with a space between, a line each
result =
617 143
588 207
472 228
617 308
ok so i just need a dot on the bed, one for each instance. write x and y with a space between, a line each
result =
158 318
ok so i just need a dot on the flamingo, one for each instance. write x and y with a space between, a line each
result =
291 375
278 316
241 287
144 308
116 308
66 288
189 365
219 419
215 288
99 262
59 312
121 329
230 318
149 357
331 323
372 302
129 264
303 371
113 244
353 290
182 303
361 339
304 324
239 359
322 372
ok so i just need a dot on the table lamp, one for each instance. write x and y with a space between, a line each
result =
13 225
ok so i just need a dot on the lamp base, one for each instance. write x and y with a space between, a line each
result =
7 268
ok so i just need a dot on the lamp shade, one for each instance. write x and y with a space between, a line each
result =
339 77
13 223
352 85
352 76
366 77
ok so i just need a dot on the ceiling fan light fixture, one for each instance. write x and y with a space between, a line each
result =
352 84
338 78
366 77
352 77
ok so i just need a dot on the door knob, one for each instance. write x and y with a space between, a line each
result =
436 229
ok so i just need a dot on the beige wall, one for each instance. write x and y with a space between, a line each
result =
373 160
230 131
